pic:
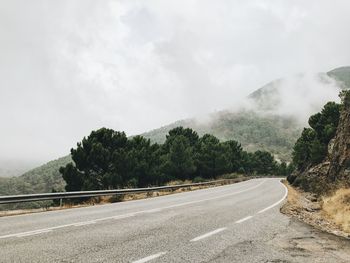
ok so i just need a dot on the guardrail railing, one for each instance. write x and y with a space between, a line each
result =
7 199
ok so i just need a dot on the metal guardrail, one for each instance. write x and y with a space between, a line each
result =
7 199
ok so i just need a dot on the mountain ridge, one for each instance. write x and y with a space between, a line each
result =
252 127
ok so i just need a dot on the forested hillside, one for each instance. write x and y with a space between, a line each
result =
342 75
252 128
107 159
254 131
262 126
42 179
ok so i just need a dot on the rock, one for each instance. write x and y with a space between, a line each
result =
336 167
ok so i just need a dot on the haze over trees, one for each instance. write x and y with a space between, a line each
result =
107 159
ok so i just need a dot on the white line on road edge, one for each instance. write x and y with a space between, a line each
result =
209 234
146 259
33 233
278 202
243 219
214 198
133 213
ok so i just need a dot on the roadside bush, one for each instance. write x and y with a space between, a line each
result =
198 179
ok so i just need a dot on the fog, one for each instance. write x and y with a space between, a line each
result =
68 67
298 96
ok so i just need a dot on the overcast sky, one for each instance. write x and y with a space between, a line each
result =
70 66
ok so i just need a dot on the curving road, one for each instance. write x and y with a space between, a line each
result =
218 224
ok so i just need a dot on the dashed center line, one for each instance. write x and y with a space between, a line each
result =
85 223
129 214
153 210
149 258
209 234
33 233
243 219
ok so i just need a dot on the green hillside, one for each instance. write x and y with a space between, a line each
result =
41 179
273 133
342 75
254 131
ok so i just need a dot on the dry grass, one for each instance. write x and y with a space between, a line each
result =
293 195
331 214
337 208
295 203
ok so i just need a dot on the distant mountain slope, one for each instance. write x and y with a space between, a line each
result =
10 168
271 129
265 126
342 75
39 180
254 131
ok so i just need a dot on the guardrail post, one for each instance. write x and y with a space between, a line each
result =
61 202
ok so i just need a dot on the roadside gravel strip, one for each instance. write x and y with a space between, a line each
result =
206 225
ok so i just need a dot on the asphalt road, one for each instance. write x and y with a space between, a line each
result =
212 225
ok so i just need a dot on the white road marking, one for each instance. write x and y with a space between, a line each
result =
132 214
214 198
278 202
208 234
153 210
85 223
32 233
122 216
146 259
243 219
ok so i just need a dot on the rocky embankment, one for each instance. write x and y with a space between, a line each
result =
327 205
334 172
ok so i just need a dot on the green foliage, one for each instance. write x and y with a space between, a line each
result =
108 159
311 147
39 180
178 160
345 97
302 149
198 179
254 131
263 163
210 157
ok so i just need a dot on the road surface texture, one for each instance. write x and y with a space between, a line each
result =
232 223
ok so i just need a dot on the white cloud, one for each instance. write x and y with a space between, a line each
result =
68 67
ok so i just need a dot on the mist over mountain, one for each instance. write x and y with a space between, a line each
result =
9 168
271 118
